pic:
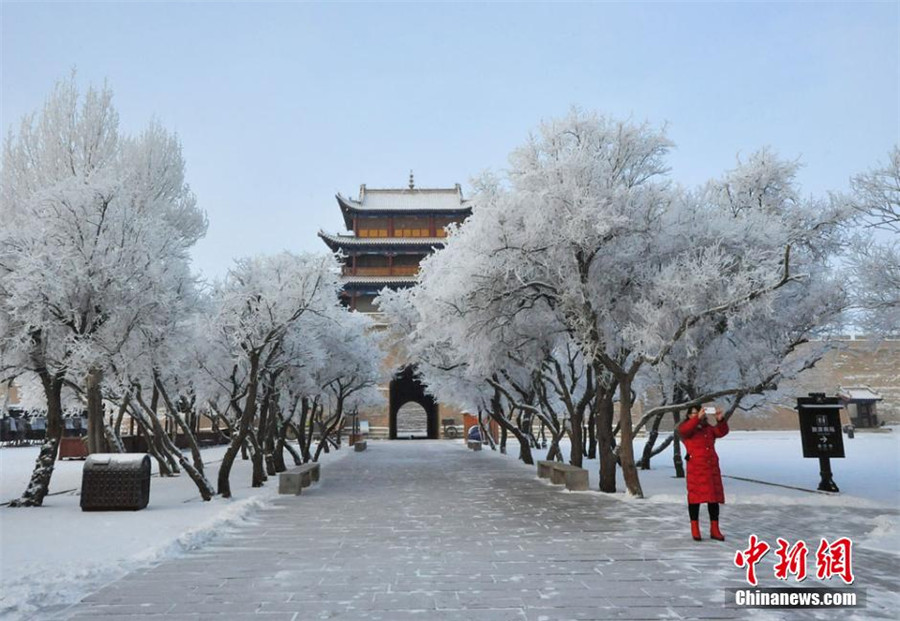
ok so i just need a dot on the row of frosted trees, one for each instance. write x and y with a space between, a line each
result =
98 307
586 279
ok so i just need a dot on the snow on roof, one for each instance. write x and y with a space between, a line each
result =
858 393
407 199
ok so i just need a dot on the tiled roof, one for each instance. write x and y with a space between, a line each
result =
378 280
339 241
422 200
411 199
427 199
858 393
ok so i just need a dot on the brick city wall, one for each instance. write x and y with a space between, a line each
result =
854 363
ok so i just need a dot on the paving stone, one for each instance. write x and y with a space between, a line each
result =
431 531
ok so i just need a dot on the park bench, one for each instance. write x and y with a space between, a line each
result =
573 477
294 480
544 468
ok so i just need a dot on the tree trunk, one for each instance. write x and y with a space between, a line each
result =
651 442
181 423
503 439
117 427
486 432
592 435
157 435
256 458
323 441
263 423
626 450
301 430
280 442
576 437
39 484
269 441
524 446
676 448
604 420
203 485
237 440
298 458
147 433
268 444
284 425
338 419
93 391
113 441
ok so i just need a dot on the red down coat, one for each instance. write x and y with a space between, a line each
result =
704 480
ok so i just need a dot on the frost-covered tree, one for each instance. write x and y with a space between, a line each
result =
255 307
877 194
278 341
95 222
587 244
875 263
350 369
737 357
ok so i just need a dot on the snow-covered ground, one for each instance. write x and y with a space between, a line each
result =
770 466
869 475
56 554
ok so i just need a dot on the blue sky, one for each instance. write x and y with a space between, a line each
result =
280 105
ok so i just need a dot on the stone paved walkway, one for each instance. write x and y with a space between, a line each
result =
429 530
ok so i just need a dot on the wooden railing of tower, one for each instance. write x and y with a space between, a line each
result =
395 270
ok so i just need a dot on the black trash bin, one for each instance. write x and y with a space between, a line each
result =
115 482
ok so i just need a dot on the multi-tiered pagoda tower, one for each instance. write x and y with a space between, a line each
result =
391 231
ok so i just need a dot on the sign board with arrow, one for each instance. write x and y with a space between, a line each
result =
820 425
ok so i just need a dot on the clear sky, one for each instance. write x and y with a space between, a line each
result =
281 105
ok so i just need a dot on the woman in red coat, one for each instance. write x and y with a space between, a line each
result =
704 481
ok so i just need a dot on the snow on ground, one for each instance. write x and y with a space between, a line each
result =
869 478
869 475
56 554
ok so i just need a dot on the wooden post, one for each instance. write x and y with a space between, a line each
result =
432 230
390 264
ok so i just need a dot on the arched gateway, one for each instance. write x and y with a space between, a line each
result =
407 422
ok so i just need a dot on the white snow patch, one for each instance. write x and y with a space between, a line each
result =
52 556
869 476
885 537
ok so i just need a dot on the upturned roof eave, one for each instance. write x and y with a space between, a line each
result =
350 208
339 242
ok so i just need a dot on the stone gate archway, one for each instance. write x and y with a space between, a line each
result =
405 389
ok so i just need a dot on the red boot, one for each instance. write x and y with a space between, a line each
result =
714 531
695 530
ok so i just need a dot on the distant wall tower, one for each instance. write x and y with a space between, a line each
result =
391 231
